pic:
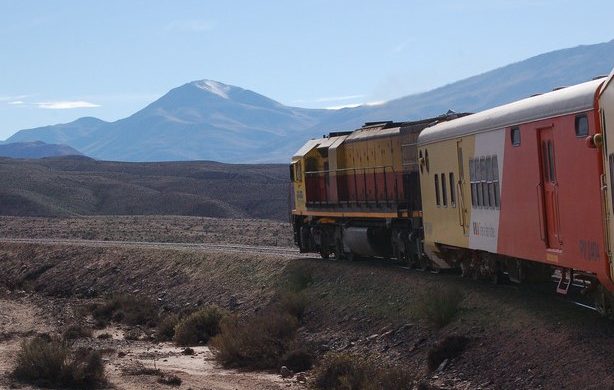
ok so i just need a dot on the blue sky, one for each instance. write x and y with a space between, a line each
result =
64 59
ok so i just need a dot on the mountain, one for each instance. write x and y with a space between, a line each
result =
208 120
196 121
35 149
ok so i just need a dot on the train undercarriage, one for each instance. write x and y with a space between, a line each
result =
401 241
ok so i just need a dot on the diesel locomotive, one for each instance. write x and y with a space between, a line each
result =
520 192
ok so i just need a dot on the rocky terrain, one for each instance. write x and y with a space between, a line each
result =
516 337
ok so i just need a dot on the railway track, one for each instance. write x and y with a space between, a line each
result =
240 248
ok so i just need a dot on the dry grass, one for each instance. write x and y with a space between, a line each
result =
126 308
199 327
346 371
440 305
51 363
76 331
257 342
166 327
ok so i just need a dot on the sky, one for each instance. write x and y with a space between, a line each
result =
65 59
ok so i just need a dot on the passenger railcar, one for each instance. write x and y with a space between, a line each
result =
521 191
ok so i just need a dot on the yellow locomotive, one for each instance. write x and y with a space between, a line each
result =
357 193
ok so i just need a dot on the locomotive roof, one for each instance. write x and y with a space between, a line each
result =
564 101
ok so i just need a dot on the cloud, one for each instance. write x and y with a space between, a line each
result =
16 102
194 25
66 105
376 103
13 98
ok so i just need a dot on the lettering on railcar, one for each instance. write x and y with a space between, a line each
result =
480 230
589 250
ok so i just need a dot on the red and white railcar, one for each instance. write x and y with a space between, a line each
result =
526 187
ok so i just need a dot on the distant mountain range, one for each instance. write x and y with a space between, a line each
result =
208 120
35 149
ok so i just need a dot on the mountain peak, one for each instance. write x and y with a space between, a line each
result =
214 87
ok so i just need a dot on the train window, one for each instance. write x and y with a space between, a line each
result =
421 161
444 193
452 190
437 189
472 179
515 136
483 187
490 190
426 159
292 178
495 180
581 125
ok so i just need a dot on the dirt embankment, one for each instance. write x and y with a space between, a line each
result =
518 338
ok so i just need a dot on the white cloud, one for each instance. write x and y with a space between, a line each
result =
376 103
194 25
66 105
13 98
16 102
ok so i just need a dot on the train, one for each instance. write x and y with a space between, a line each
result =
521 192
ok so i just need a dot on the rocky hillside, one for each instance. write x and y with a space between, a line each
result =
83 186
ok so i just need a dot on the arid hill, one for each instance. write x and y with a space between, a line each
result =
74 185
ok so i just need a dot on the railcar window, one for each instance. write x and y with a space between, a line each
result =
483 185
452 190
474 201
581 125
444 192
495 179
515 135
489 182
292 178
437 190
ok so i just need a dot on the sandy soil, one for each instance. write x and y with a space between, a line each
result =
23 315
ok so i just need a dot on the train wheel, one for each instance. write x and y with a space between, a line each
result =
324 253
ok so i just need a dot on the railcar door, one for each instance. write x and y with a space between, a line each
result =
460 188
548 190
606 112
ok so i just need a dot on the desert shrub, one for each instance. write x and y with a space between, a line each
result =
297 360
104 336
293 303
448 348
133 334
50 363
258 342
166 327
346 371
440 305
126 308
170 379
76 331
199 326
